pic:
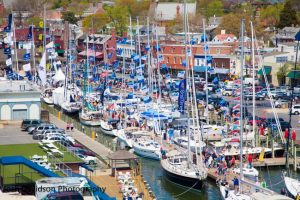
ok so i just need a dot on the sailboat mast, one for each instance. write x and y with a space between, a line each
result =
253 77
242 102
33 49
15 44
206 69
187 83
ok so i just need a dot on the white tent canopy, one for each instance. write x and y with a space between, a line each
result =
59 76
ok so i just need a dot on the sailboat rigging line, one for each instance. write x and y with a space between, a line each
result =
269 177
269 94
186 190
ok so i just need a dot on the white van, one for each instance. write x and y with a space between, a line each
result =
248 81
296 109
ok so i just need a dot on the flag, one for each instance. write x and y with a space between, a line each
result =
206 48
147 48
160 58
181 74
26 67
144 57
28 75
236 107
140 79
157 47
208 59
7 51
184 63
181 96
26 57
216 81
119 51
42 69
40 37
109 56
8 27
8 62
211 70
29 36
124 40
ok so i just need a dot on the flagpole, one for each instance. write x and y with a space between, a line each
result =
33 49
44 36
15 44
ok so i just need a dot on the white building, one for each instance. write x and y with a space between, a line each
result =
18 101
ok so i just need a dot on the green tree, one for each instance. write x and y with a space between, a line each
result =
118 16
34 20
69 17
288 16
270 15
232 23
134 7
214 8
282 73
95 21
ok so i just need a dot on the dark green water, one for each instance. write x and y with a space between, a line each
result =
164 189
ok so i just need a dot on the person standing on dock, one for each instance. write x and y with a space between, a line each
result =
236 184
250 159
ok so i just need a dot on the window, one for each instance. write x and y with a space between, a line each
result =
174 60
281 59
168 59
172 49
180 60
218 50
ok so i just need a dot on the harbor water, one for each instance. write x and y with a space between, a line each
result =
160 185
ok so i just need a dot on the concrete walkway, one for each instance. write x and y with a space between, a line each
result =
83 139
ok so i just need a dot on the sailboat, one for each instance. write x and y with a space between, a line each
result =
88 116
177 165
232 194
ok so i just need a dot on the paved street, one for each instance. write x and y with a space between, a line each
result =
12 134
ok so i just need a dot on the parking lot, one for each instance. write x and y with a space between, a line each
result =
12 134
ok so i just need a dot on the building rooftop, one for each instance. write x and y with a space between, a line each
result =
275 53
7 86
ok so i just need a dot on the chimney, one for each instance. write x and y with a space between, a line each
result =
223 32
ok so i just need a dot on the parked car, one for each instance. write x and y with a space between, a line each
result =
210 87
284 125
265 91
280 103
270 121
258 96
258 120
30 122
57 138
296 109
42 135
88 159
40 129
64 196
82 151
228 92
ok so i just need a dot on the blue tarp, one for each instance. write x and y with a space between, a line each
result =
151 114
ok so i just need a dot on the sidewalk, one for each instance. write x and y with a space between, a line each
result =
83 139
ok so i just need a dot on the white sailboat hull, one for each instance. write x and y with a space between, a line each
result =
104 127
155 155
292 185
